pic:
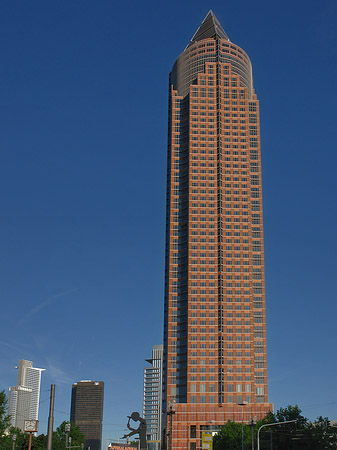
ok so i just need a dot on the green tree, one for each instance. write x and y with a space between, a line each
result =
59 436
230 437
291 413
21 440
302 435
4 418
320 434
39 442
281 436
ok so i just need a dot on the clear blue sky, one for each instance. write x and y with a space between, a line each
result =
84 88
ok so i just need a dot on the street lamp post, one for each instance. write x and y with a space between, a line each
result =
188 437
252 423
270 425
67 429
14 439
244 403
170 412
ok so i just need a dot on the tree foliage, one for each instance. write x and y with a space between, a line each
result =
59 436
4 418
40 442
301 435
230 437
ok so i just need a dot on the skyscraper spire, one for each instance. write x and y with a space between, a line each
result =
209 28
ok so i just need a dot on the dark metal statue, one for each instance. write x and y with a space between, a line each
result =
141 430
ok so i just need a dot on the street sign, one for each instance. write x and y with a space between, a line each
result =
207 440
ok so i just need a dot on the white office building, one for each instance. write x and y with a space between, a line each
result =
152 397
23 400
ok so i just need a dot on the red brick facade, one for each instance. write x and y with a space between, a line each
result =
215 328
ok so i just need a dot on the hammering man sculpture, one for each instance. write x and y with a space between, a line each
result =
141 430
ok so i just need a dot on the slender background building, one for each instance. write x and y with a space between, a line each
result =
215 366
152 397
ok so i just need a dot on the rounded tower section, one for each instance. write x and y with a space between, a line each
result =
210 44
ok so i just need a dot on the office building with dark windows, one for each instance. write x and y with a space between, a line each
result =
87 410
215 366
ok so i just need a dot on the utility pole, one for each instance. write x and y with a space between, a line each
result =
14 439
67 429
170 413
51 417
252 423
244 403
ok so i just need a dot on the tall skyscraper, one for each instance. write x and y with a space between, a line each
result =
215 366
152 397
23 400
87 410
